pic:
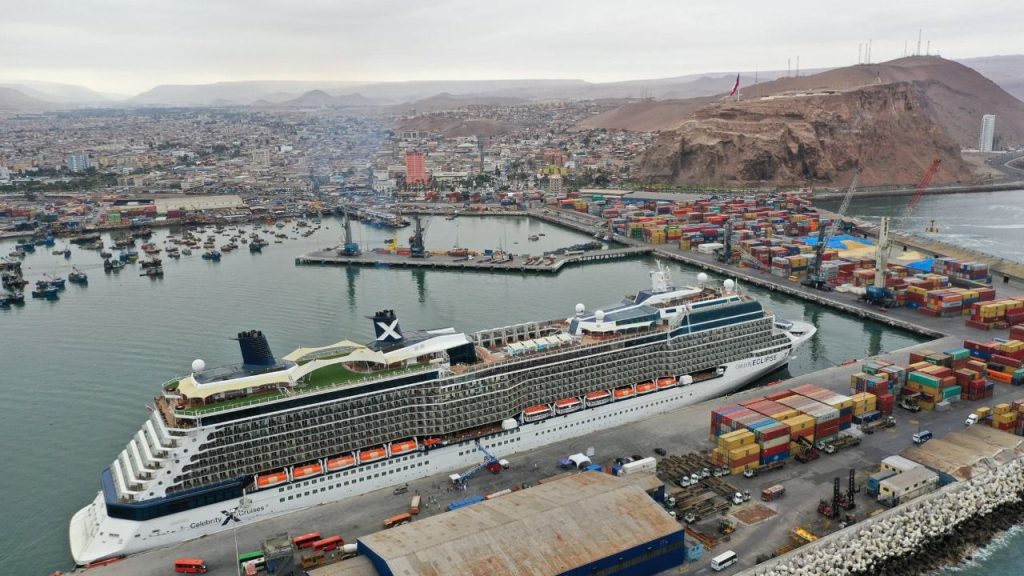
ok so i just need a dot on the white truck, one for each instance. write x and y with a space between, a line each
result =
649 464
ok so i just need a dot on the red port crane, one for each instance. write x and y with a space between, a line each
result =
921 187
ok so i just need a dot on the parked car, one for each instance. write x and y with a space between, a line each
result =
660 451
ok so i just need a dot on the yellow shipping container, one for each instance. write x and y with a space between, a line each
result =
786 415
1001 409
799 423
743 452
1013 304
1006 418
736 439
983 411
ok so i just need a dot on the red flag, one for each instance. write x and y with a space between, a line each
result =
736 86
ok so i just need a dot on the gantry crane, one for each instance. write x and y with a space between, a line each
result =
825 234
878 293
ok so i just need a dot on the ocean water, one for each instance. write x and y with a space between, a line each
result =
990 222
1004 556
76 374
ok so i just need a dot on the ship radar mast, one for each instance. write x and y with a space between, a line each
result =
660 279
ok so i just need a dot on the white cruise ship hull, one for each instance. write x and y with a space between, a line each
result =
94 535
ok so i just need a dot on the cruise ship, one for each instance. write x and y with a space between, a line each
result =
233 445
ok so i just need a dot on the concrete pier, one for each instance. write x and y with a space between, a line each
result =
545 265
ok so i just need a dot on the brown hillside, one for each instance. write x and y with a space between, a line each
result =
454 127
808 139
647 115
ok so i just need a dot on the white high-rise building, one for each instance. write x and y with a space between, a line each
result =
988 131
78 162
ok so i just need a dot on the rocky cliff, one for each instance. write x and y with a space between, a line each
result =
808 138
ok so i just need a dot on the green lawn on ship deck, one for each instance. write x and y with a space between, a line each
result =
326 377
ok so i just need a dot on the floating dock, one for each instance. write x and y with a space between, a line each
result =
518 264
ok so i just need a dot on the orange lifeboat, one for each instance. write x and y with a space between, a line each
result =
307 471
372 455
623 393
272 479
538 412
403 447
598 398
341 462
645 388
668 382
431 442
567 405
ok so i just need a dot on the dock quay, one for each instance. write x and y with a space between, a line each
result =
678 431
552 265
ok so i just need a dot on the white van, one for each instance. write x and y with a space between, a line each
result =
724 560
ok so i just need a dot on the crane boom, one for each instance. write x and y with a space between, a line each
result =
921 187
825 235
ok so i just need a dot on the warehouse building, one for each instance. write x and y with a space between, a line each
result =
586 524
908 485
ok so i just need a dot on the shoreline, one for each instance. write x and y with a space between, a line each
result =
960 545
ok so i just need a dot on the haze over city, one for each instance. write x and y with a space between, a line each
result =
125 47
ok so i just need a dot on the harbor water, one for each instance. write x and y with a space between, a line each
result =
76 374
1004 556
989 222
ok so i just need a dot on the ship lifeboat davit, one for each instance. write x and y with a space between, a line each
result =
535 413
372 455
567 405
404 447
623 393
667 382
307 471
598 398
341 462
272 479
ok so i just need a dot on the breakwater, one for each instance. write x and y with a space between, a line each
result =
921 535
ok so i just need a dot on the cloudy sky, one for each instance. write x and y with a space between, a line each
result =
127 46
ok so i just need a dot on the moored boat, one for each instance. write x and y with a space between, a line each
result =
271 479
623 393
340 462
567 405
535 413
404 447
372 454
307 471
598 398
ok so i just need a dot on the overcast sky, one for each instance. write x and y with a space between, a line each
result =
128 46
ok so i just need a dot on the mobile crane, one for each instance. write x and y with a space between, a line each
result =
490 461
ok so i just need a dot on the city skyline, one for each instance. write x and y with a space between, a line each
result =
125 47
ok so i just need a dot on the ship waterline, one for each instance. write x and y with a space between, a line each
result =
243 443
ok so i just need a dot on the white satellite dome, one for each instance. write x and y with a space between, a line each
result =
729 284
580 308
599 315
702 277
198 365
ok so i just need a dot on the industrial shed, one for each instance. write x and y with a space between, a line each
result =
589 523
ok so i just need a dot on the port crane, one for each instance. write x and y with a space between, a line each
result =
489 461
349 248
416 246
725 253
825 234
877 293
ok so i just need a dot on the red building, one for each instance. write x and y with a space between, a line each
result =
415 169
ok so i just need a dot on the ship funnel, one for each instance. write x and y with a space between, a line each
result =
255 350
385 326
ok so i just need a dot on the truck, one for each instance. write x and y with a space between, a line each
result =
909 403
806 450
414 506
843 441
397 520
649 464
878 424
773 492
756 470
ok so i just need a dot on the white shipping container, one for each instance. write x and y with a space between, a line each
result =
709 247
649 464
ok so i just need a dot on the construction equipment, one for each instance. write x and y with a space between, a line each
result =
825 234
490 461
877 293
909 402
807 452
726 526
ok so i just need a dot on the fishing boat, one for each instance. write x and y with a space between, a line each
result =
78 277
211 255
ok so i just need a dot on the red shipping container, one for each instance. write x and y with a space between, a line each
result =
1006 361
779 395
773 451
1017 332
886 402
